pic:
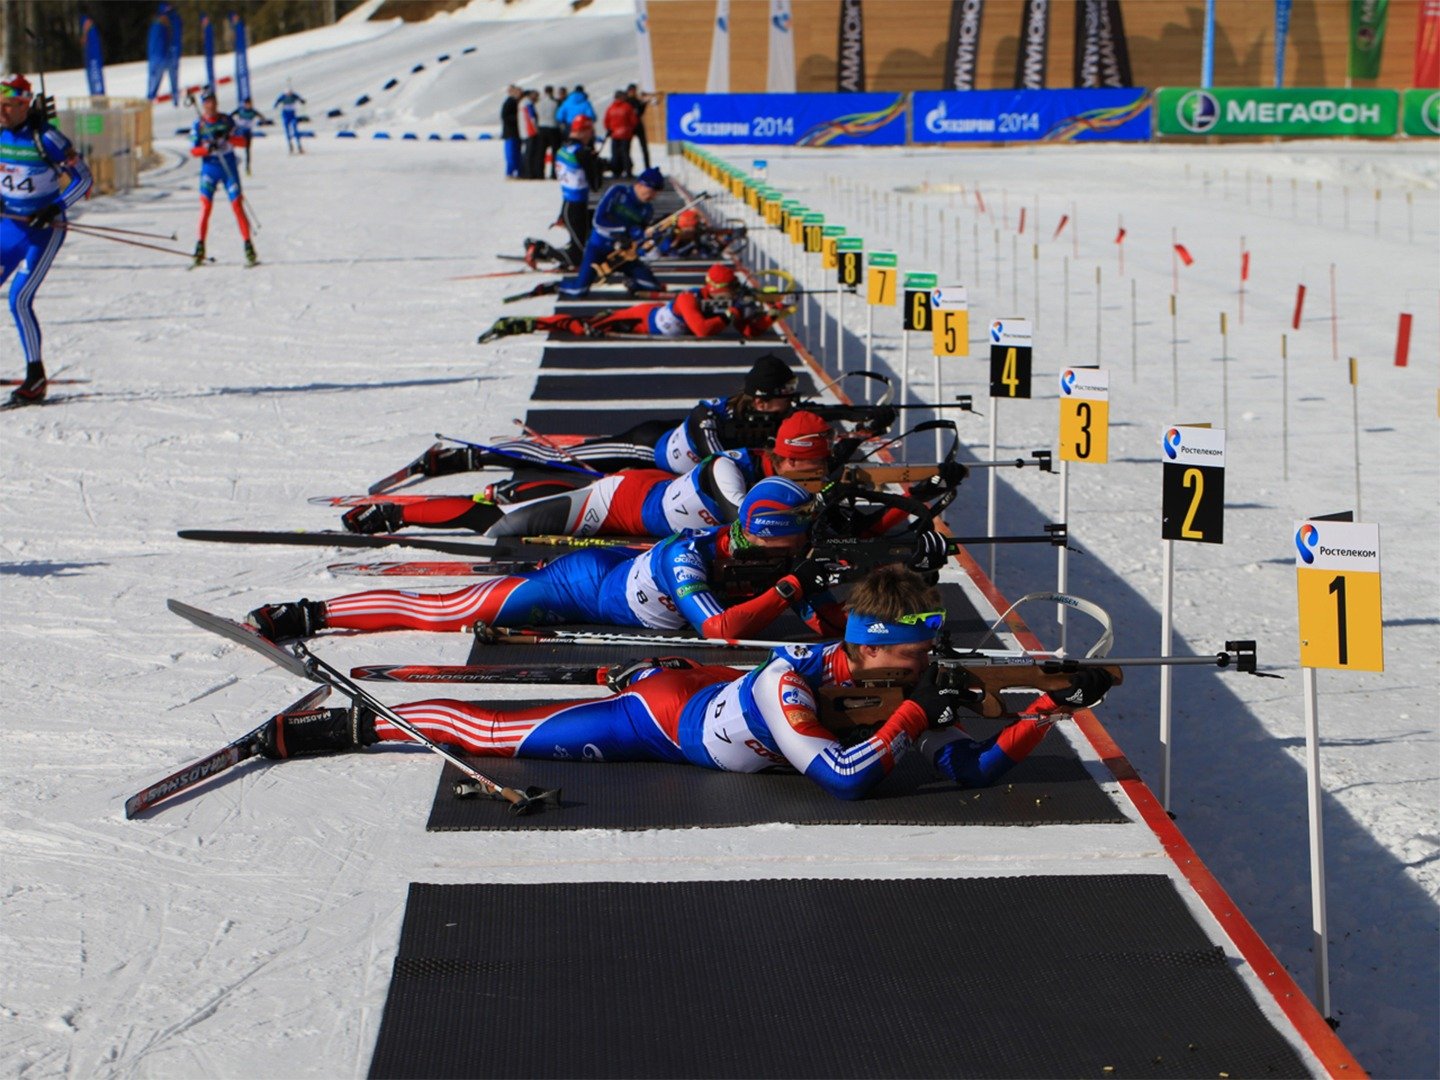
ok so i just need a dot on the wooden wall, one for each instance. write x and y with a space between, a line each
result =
905 43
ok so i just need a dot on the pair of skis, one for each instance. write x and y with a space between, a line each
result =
299 660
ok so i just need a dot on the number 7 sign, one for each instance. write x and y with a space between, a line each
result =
1337 572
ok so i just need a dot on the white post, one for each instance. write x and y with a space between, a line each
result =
1062 576
992 480
1167 605
869 342
840 333
904 364
1320 940
938 400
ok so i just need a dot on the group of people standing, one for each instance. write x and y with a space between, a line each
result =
534 123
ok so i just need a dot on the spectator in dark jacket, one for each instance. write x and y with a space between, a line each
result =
620 121
510 129
640 102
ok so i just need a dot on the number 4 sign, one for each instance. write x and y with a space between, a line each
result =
1337 571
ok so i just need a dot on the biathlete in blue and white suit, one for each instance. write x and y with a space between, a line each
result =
770 719
622 218
667 587
213 139
40 175
286 103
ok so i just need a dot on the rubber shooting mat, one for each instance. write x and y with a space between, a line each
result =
1032 976
643 355
654 385
593 422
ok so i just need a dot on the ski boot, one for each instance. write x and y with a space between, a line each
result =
374 518
33 389
316 732
444 460
288 622
506 327
251 259
199 259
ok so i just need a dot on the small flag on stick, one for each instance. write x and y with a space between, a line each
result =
1185 256
1064 218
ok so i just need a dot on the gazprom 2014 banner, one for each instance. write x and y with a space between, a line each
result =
787 119
1030 115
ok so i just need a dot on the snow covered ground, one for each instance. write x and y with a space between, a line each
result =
250 930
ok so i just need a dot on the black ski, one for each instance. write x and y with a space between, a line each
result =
399 476
243 634
247 746
52 399
303 538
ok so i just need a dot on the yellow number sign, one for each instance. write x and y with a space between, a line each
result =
880 279
950 321
1085 415
1337 575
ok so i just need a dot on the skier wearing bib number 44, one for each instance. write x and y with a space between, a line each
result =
40 175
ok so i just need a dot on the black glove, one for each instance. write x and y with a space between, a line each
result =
42 111
881 420
930 552
815 575
1086 688
45 216
952 473
949 475
942 694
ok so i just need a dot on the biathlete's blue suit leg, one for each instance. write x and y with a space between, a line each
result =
32 250
571 589
596 249
291 120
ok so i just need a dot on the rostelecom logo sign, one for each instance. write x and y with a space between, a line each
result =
1198 111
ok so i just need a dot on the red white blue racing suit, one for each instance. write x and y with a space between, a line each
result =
767 719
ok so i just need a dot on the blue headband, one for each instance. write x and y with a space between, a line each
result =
868 630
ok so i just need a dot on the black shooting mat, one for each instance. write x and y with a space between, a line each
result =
1104 975
662 353
593 422
654 385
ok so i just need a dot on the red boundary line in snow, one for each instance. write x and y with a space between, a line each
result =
1298 1009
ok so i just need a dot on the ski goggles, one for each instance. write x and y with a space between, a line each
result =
862 629
14 93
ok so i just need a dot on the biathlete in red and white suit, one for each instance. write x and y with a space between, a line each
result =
768 719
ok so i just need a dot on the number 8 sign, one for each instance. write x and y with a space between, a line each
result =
1337 572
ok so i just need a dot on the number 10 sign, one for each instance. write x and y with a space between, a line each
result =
1337 571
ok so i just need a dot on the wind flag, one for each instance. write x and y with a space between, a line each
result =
90 46
1244 266
642 39
157 52
1185 256
207 34
718 81
1207 50
1367 37
172 58
1120 236
242 60
780 71
1064 219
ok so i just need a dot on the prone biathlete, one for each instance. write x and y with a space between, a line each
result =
768 719
667 587
41 174
214 137
634 502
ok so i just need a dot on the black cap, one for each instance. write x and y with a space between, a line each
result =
771 377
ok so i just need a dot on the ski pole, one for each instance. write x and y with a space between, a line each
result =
519 457
545 440
82 231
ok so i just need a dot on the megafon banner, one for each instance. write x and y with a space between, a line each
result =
1233 111
787 119
1030 116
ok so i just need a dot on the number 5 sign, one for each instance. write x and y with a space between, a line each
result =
950 321
1337 571
1085 415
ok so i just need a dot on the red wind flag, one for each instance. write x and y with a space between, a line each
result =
1120 236
1244 266
1185 256
1061 227
980 199
1021 230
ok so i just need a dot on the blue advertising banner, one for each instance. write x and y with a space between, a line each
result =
172 59
157 51
1110 115
90 46
787 119
242 60
207 39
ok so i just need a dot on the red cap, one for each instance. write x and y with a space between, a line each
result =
720 274
803 435
581 124
688 219
16 86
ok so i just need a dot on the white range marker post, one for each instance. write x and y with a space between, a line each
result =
849 270
1084 436
1011 342
814 226
1337 572
880 280
914 316
1192 509
949 331
829 237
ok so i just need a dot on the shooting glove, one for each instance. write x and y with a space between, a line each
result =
930 552
45 216
815 575
1087 687
942 694
42 111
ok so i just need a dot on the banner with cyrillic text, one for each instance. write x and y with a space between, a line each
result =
1030 116
787 119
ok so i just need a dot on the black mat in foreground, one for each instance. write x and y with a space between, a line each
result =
688 387
592 422
1031 976
643 355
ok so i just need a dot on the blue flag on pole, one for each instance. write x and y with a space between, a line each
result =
207 35
173 59
1282 33
157 52
90 47
242 61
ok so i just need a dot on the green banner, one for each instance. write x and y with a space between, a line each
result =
1184 110
921 281
1422 113
1367 37
884 259
813 219
834 230
850 243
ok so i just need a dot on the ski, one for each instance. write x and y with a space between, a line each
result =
399 476
52 399
384 498
497 568
247 746
527 674
300 660
303 538
51 382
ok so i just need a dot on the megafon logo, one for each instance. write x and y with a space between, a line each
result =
1172 443
1067 382
781 21
996 329
1198 111
1307 538
1430 114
